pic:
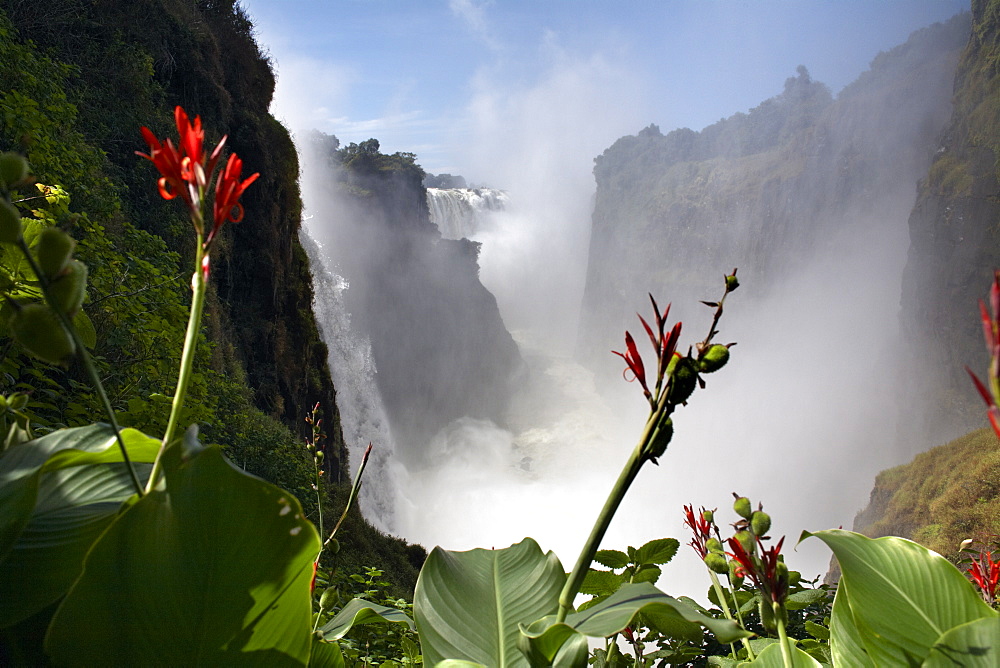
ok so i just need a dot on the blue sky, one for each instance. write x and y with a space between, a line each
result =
461 82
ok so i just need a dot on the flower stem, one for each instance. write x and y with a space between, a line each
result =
198 289
786 648
720 593
625 479
88 362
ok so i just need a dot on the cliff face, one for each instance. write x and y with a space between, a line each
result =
439 344
955 238
132 63
766 191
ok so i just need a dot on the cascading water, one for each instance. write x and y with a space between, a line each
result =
462 212
362 415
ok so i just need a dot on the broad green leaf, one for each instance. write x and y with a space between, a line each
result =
468 605
457 663
771 657
658 551
70 486
903 596
359 611
543 640
845 644
972 645
611 558
325 655
817 630
614 614
213 567
21 467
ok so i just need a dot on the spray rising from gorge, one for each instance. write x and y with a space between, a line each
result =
807 194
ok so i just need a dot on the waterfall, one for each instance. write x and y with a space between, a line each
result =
362 414
462 212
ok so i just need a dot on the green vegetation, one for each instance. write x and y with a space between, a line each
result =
943 497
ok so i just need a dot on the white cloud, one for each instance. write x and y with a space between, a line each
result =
474 15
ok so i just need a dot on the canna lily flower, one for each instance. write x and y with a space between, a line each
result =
634 362
986 573
700 527
184 169
228 190
763 571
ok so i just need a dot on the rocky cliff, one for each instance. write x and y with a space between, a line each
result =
769 190
955 240
439 344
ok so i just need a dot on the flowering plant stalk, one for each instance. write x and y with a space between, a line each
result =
186 171
676 378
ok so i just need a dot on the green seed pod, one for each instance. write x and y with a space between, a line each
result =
760 522
717 562
17 401
330 598
708 516
37 328
732 282
745 539
54 250
714 358
742 507
661 439
767 616
3 404
713 545
10 222
783 575
682 380
334 546
70 287
13 169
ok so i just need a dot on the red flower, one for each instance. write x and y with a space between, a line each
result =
184 170
763 571
228 189
634 362
701 528
991 333
986 573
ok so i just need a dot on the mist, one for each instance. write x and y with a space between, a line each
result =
802 418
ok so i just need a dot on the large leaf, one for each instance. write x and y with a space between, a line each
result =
359 611
213 567
21 467
902 596
614 613
972 645
325 655
468 604
57 494
771 657
845 643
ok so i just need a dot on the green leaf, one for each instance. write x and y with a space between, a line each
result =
805 598
817 630
614 614
771 657
325 655
845 644
659 551
359 611
902 596
213 567
468 605
611 558
648 574
57 494
969 645
600 583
